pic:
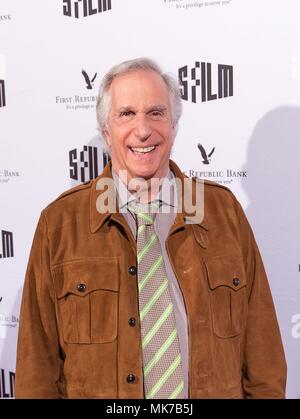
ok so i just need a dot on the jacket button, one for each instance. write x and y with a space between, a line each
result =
130 378
81 287
236 282
132 270
132 321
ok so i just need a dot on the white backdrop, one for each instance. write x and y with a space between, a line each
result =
47 116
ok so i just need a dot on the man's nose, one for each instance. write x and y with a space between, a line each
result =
142 128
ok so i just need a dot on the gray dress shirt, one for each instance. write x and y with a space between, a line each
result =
163 221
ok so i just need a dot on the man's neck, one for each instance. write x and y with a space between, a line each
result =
145 190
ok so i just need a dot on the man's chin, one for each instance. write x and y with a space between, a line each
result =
144 173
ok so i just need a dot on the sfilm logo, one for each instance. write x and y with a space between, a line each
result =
2 94
7 384
196 82
84 8
7 244
86 167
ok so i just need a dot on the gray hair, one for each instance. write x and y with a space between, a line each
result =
103 101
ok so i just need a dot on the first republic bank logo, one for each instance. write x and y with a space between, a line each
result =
196 83
85 8
7 244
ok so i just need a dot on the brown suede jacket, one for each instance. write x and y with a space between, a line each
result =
75 339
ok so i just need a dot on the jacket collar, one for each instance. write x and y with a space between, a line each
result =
104 201
188 191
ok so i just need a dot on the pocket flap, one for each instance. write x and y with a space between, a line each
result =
226 271
200 235
81 277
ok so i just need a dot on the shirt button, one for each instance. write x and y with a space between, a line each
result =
132 270
132 321
130 378
81 287
236 282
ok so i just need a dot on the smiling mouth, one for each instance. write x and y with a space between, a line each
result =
143 150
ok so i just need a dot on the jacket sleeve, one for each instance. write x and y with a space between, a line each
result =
38 366
264 361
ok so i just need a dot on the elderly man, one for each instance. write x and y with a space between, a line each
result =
142 299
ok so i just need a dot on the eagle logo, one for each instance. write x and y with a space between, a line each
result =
206 157
89 82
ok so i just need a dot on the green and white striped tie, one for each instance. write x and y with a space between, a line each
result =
163 373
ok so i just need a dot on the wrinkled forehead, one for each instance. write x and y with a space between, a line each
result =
141 87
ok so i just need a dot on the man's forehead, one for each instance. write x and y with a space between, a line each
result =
137 74
142 78
139 88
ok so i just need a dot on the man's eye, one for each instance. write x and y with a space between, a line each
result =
157 114
126 113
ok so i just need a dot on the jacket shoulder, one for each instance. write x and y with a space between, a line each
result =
211 184
217 194
71 192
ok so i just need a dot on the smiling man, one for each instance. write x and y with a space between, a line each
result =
146 301
140 131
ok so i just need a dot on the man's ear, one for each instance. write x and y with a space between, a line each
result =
175 129
107 137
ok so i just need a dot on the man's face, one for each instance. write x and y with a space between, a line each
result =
140 132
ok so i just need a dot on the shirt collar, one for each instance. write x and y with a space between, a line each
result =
167 194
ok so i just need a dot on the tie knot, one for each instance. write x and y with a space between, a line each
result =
145 213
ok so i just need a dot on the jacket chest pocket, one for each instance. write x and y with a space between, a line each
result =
87 295
227 289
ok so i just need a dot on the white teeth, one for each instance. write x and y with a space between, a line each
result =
143 150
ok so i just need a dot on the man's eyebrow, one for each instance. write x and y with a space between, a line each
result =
158 108
124 109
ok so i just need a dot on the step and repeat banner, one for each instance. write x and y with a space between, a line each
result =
238 64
